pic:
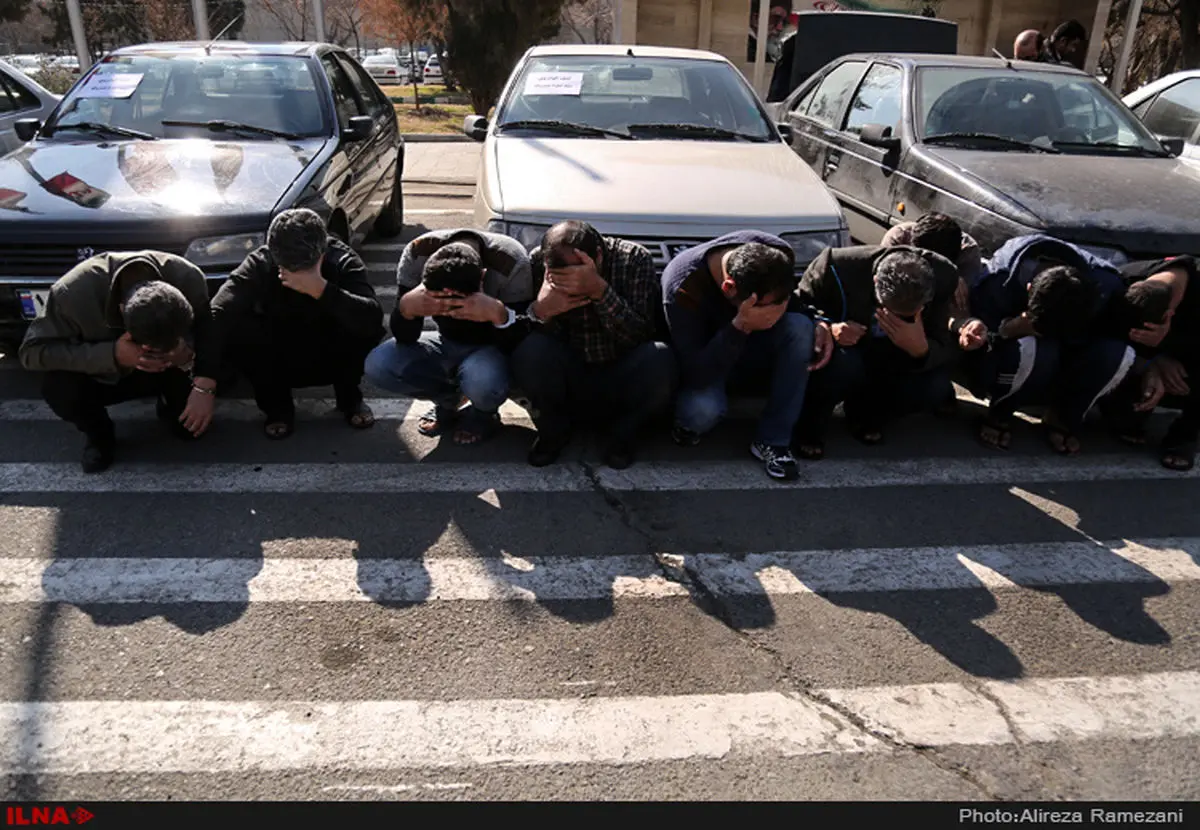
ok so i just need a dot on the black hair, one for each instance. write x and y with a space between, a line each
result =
1071 30
1061 302
1145 302
760 269
157 315
573 234
939 233
771 4
297 239
455 267
904 280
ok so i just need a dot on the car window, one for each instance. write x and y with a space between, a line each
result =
20 97
1176 111
877 100
832 93
7 102
1140 109
345 99
802 103
366 88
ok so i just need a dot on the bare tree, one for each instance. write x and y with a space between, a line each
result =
293 16
1167 40
589 21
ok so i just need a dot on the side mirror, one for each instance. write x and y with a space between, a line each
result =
877 135
1174 146
359 129
475 127
27 128
785 131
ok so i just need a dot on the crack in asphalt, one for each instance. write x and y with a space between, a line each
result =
1018 736
711 602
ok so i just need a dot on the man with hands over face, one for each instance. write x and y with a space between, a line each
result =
591 353
475 286
117 327
737 326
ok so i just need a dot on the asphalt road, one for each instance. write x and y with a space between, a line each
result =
376 616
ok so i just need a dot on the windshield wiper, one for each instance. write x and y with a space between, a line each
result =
695 130
1112 145
97 127
568 127
945 138
227 126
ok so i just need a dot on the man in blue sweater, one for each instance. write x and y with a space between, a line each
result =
735 322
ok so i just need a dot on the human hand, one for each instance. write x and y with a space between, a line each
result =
1153 390
480 308
822 347
909 337
308 281
421 302
1174 375
973 335
583 279
553 301
848 334
752 317
198 414
1151 334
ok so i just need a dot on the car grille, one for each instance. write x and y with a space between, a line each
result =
665 250
38 260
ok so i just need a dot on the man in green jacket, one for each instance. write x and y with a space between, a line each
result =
119 327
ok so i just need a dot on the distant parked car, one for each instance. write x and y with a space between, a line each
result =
67 62
386 69
1170 107
20 97
433 71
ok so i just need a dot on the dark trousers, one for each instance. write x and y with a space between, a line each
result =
874 387
276 362
82 400
622 395
1071 378
1185 429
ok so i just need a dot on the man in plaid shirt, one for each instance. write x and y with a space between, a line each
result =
592 349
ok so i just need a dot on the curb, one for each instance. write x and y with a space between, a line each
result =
434 138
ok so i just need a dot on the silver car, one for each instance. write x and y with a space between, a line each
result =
1170 107
386 69
20 97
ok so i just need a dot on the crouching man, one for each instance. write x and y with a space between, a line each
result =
737 326
299 312
119 327
475 286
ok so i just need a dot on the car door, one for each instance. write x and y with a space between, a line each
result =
379 160
862 174
1175 113
16 103
353 177
818 112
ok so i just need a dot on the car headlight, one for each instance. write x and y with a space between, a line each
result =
223 250
530 236
808 246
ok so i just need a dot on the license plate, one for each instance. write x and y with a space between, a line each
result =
33 303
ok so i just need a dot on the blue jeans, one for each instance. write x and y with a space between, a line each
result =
620 396
1069 377
775 361
440 370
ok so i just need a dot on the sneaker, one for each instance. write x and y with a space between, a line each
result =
545 451
685 437
98 455
779 461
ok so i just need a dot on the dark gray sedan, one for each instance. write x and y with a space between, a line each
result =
1005 147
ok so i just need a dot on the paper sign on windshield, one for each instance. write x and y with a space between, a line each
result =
554 83
117 85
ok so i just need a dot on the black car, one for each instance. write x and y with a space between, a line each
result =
1005 147
192 149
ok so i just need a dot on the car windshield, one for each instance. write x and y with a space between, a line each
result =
140 92
614 92
1058 110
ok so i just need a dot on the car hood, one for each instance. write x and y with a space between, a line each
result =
133 180
660 182
1144 205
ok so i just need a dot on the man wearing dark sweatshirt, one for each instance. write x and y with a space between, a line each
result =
299 312
735 323
474 285
890 314
119 327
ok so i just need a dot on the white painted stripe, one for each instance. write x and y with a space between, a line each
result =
439 212
288 579
514 476
244 409
138 737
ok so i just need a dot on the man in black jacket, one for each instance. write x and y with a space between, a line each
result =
890 313
299 312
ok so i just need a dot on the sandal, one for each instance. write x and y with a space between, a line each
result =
1062 440
476 427
994 433
278 429
360 416
869 435
1178 452
436 421
809 449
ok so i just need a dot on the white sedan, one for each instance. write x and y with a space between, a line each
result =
664 147
1170 107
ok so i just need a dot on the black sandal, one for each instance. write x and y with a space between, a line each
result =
360 416
476 427
812 449
436 421
277 429
1056 433
869 435
1178 452
1002 428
